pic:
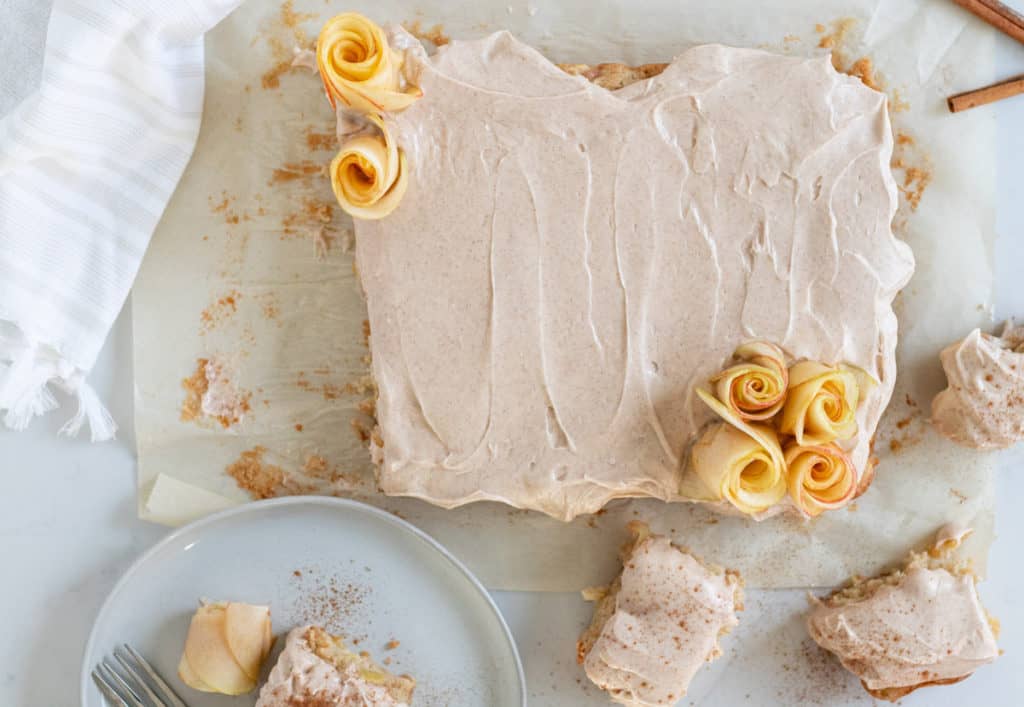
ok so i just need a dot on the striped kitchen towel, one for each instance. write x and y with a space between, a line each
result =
87 165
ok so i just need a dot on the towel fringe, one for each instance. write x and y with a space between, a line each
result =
25 392
101 424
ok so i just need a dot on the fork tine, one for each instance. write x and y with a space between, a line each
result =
169 696
108 691
122 688
138 683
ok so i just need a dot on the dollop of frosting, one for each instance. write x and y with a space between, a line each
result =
983 407
570 264
929 627
669 614
301 677
359 68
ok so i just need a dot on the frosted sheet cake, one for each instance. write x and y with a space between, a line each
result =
564 267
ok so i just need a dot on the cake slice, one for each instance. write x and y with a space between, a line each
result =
983 406
658 622
914 627
317 669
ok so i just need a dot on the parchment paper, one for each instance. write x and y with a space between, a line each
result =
235 272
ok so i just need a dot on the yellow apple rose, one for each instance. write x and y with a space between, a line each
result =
359 68
747 471
369 174
820 478
756 388
822 402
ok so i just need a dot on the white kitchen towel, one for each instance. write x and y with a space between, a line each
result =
87 164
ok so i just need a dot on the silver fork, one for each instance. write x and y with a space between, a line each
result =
129 687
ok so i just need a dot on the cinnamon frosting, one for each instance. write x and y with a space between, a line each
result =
669 613
983 407
929 627
569 263
301 677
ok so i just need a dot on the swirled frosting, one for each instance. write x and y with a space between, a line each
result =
983 407
569 263
300 677
929 627
669 613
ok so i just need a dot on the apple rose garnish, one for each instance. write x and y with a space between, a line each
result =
820 478
368 174
226 645
756 388
359 68
821 405
746 470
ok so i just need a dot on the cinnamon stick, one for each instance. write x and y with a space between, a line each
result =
989 94
1005 19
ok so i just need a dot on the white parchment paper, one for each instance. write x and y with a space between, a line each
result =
249 266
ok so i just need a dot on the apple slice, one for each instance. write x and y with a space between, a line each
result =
268 637
189 677
207 651
245 632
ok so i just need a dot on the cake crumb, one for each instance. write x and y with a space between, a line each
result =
392 645
195 387
252 474
211 394
864 69
840 29
361 430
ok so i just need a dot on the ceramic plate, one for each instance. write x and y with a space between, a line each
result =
356 569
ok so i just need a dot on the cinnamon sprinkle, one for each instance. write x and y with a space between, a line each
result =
221 310
434 35
288 23
321 141
291 171
272 77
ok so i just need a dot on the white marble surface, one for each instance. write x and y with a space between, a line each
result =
68 526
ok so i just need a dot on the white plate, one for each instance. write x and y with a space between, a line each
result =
362 572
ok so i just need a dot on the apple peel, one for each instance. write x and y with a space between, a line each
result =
368 174
359 68
745 469
822 401
820 478
754 389
225 647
